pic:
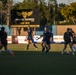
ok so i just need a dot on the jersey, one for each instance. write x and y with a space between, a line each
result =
67 37
29 31
47 36
3 37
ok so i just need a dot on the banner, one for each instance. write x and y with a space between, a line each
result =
58 39
9 39
23 39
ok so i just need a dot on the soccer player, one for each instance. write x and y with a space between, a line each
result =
49 39
3 39
30 38
46 40
67 40
44 46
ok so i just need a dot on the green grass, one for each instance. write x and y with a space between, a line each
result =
33 62
36 63
21 47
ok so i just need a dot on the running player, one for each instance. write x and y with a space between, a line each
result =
67 40
49 39
46 40
45 33
30 38
3 39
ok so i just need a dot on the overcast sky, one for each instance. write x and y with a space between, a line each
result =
59 1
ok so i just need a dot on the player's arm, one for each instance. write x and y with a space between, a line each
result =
64 37
40 37
32 33
51 38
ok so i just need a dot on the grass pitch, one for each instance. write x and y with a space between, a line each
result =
36 63
33 62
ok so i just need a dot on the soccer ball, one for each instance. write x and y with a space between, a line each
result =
68 52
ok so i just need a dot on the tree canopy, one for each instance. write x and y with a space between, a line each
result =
69 12
50 12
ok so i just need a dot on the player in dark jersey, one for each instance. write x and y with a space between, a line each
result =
30 38
3 39
45 33
49 39
46 40
67 40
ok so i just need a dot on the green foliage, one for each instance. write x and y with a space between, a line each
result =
50 12
69 12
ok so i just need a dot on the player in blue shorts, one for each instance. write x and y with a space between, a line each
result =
3 39
30 38
67 39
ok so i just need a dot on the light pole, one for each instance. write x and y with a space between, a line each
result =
1 5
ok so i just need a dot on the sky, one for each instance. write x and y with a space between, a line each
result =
59 1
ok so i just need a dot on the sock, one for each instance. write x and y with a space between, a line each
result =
47 51
43 48
0 51
9 51
73 47
35 45
27 47
72 51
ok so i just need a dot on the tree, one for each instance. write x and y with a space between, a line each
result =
6 11
60 17
69 12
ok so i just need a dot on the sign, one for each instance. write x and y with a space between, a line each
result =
25 17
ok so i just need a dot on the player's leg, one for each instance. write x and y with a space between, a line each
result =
8 50
4 43
47 48
65 46
1 46
71 48
28 44
43 46
32 41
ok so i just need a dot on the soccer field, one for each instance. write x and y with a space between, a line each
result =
22 47
33 62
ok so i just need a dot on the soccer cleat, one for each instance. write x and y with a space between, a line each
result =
13 54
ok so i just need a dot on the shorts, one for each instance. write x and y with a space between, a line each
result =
67 42
74 42
47 41
4 42
29 38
